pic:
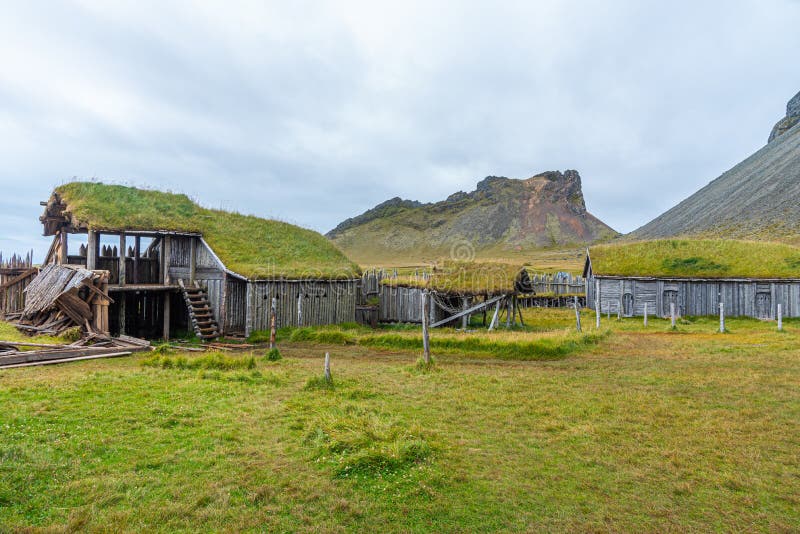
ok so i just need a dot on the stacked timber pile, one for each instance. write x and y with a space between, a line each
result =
13 354
63 297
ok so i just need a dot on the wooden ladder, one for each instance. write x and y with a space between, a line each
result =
200 312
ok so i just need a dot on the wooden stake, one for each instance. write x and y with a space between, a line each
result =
597 304
672 313
721 317
300 309
273 326
426 344
327 367
645 315
577 316
495 316
780 318
465 318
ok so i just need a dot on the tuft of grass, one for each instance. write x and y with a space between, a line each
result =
273 355
319 382
211 361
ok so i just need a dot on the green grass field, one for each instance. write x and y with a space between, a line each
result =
637 430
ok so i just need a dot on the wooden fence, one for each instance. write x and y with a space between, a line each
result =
16 273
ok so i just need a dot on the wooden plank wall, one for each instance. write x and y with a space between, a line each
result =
208 273
236 306
742 298
324 302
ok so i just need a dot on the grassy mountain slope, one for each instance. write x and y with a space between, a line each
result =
502 218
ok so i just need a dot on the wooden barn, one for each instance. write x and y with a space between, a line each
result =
457 290
176 266
749 278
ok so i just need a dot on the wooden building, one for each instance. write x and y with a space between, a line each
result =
454 288
175 265
749 278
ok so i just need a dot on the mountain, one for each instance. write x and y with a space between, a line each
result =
502 217
757 199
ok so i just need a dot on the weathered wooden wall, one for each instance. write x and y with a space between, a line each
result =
748 298
323 302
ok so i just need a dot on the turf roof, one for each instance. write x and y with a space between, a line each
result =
465 278
697 258
250 246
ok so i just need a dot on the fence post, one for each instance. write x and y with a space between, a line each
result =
327 367
577 316
273 323
780 318
597 303
426 346
721 317
645 315
672 313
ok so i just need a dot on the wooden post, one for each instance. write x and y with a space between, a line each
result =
645 315
508 312
121 258
137 245
192 258
780 318
92 244
63 254
327 367
721 317
166 246
300 308
121 301
597 304
464 318
577 316
167 303
426 344
273 322
672 313
495 316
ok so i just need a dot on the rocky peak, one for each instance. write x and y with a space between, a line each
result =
789 121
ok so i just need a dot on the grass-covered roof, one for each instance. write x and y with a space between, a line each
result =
697 258
466 278
247 245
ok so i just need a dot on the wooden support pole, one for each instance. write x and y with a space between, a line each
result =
495 316
327 367
780 318
577 316
273 322
508 312
166 246
721 317
122 250
426 345
465 317
63 253
167 304
92 246
137 249
672 313
192 258
121 300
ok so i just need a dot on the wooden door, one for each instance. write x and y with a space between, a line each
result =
763 306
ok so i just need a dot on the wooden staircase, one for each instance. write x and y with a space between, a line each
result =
200 312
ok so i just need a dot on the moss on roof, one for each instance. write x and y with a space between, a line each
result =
698 258
247 245
465 278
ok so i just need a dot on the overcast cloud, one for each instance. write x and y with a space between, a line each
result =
313 112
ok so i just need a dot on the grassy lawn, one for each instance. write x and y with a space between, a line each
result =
648 430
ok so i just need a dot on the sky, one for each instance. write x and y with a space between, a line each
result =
313 112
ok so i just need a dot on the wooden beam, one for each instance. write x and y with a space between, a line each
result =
167 303
122 249
468 311
137 250
62 247
192 258
167 251
92 246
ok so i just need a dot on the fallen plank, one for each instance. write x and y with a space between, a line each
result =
25 344
66 360
133 340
